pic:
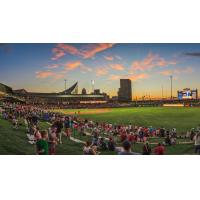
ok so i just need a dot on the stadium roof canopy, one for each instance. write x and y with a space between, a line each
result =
65 92
4 89
70 90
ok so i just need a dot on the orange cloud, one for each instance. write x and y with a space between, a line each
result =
47 74
43 74
136 77
101 71
87 51
73 65
151 61
117 67
109 58
187 70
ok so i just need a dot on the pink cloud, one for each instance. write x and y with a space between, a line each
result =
47 74
72 65
87 51
151 61
90 50
44 74
69 49
101 71
118 67
57 53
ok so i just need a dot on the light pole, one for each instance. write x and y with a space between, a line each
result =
65 85
171 79
92 82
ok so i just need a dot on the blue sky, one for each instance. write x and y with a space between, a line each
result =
43 67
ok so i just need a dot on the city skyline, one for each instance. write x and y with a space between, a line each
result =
44 67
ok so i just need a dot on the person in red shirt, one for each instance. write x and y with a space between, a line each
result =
131 138
123 136
159 149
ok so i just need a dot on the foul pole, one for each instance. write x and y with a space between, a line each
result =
171 79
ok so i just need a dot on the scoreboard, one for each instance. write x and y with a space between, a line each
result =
187 93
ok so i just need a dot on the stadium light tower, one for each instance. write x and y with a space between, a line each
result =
171 79
65 85
92 82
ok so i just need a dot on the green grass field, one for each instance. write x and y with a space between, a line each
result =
181 118
14 142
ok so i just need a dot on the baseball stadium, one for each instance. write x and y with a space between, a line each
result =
128 121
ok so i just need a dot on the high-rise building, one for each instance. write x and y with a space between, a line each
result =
125 90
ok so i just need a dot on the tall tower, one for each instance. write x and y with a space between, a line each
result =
125 90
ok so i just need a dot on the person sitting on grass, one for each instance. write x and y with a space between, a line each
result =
131 138
102 144
88 149
5 115
82 129
42 144
37 133
173 133
123 136
111 144
146 149
167 139
95 140
126 149
173 140
15 123
159 149
141 135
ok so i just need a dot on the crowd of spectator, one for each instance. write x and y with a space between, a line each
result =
103 135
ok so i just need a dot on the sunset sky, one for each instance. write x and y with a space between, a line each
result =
43 67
